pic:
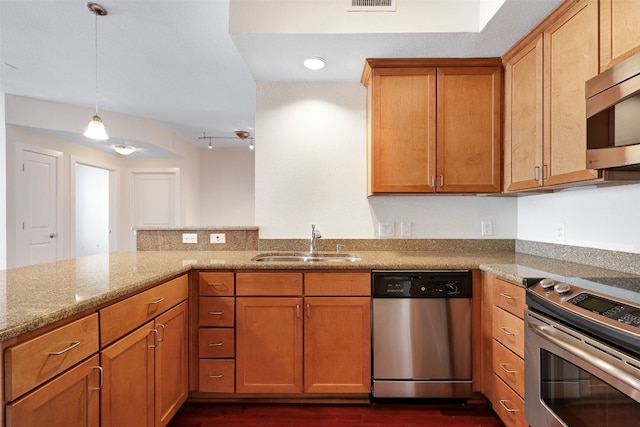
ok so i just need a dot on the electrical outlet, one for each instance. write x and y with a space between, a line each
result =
486 228
558 231
386 229
405 229
189 238
217 238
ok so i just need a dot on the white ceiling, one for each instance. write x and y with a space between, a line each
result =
175 62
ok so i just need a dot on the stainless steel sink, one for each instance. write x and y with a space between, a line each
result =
305 257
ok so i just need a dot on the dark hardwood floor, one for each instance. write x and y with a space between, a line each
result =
320 415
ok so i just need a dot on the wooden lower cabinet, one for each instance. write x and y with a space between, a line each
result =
72 399
269 345
145 373
171 363
503 348
127 393
337 339
316 343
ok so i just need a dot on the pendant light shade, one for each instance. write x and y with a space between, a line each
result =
95 129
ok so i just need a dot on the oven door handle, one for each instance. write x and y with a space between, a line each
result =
601 363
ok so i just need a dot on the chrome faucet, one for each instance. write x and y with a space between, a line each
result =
315 235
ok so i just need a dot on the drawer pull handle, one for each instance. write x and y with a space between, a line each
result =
216 344
216 313
216 376
215 284
157 301
99 368
507 296
504 368
74 344
506 408
505 331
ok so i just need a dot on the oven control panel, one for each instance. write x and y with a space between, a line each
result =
605 307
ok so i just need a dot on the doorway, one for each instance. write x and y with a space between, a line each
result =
92 210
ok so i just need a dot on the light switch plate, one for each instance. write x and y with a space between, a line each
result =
217 238
386 229
189 238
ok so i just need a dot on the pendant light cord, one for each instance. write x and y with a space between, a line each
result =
96 50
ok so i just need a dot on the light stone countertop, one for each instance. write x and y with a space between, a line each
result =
35 296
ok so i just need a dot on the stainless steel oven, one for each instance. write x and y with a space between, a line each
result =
582 358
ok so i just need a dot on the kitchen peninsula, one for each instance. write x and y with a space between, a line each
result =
44 299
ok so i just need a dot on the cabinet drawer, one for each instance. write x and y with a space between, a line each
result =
268 284
337 284
216 342
509 330
216 283
33 362
216 311
124 316
510 297
217 375
508 405
509 367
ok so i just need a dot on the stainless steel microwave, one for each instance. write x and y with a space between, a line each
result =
613 117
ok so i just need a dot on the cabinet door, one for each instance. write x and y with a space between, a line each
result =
268 345
51 404
337 345
469 134
127 394
570 58
523 118
402 120
171 363
619 31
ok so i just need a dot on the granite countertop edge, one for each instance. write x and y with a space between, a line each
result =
36 296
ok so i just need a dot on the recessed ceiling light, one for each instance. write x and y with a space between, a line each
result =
314 63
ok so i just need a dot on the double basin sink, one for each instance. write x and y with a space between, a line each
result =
306 257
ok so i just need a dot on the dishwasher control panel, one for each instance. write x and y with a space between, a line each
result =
421 284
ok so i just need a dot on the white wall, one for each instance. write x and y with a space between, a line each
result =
3 187
603 218
311 168
227 187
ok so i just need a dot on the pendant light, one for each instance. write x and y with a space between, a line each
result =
96 129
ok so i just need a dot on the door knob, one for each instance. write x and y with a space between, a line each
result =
53 235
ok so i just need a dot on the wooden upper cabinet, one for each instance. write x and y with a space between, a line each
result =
468 131
433 125
619 31
402 141
523 132
545 119
570 59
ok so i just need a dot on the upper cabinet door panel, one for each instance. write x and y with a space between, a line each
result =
469 134
571 58
403 130
523 118
619 31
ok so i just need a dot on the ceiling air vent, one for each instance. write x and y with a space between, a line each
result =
371 6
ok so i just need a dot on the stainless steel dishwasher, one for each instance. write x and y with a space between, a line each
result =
421 327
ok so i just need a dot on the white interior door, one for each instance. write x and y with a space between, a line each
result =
37 208
155 198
